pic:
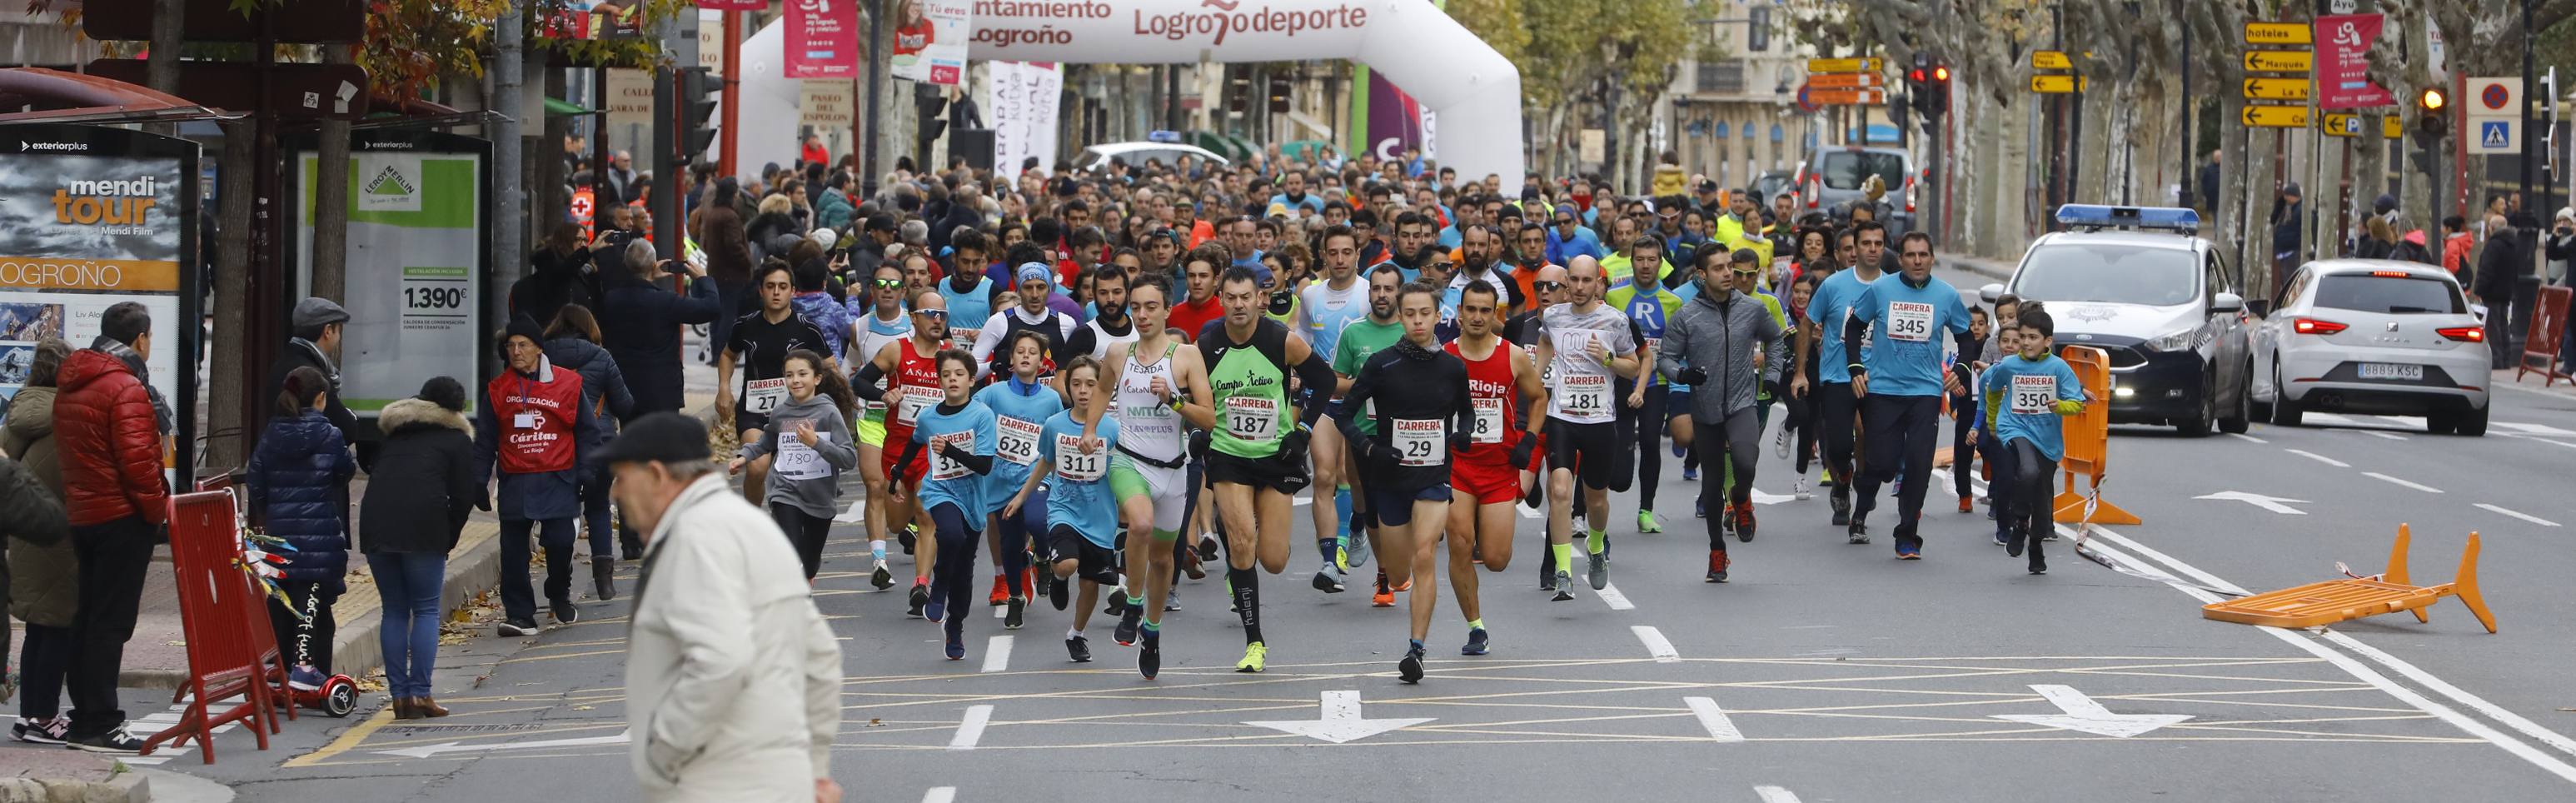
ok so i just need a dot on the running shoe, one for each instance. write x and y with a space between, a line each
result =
957 646
1717 563
1078 649
1744 522
1255 656
1409 670
935 610
1149 659
1828 479
52 731
1128 626
1564 586
1015 614
518 627
1990 512
1842 507
304 678
1600 571
1646 522
1356 554
1677 450
118 740
1172 600
1690 474
1059 591
882 578
1326 582
1385 596
2049 536
2038 567
1001 592
1117 603
1909 552
920 600
564 612
2019 539
1029 578
1780 443
1726 519
1859 532
1798 488
2001 539
1478 642
1193 570
906 537
1207 546
1699 508
1967 505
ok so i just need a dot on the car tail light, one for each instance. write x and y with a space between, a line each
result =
1815 193
2390 274
2464 334
1909 195
2313 326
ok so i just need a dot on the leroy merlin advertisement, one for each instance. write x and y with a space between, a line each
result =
417 223
91 217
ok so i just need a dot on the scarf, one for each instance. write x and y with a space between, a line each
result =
161 417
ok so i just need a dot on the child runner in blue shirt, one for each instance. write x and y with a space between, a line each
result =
2027 396
1080 510
1021 404
958 433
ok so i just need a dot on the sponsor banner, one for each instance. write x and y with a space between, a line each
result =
822 39
1022 100
930 40
1396 121
2343 62
414 267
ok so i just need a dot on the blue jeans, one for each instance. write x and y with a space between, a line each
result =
410 584
518 600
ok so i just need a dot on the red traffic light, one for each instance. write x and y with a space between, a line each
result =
1915 75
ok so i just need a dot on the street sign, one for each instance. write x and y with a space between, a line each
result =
2495 96
1847 97
1846 80
2495 135
1844 65
2341 125
2277 33
2057 84
2276 89
2050 60
308 22
296 91
2279 61
2391 127
2276 116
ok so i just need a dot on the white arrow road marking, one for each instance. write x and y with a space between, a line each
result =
940 794
427 751
2271 503
2395 481
1714 719
2320 458
1761 498
1774 794
2523 516
1341 721
1656 645
2083 714
857 512
971 729
1609 593
997 654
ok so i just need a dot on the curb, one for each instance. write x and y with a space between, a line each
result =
123 787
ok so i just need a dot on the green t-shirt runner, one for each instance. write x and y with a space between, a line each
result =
1250 382
1360 340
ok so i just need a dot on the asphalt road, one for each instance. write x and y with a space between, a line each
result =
1825 671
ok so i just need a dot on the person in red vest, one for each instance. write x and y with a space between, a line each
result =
535 428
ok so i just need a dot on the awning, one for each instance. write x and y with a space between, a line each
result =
69 97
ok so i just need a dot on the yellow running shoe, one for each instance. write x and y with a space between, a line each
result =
1255 655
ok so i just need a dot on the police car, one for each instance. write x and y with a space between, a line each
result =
2135 283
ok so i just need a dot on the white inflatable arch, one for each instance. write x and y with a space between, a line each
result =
1474 90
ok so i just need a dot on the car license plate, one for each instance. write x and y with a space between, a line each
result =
2382 370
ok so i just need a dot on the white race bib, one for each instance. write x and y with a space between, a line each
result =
797 461
1252 418
942 468
915 399
2032 394
1017 441
1909 321
1073 465
1489 421
1417 442
1585 395
524 421
762 396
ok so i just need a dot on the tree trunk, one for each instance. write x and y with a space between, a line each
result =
509 152
329 269
232 292
161 66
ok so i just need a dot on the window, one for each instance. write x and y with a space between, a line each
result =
2391 295
1757 34
1723 77
2111 274
1845 170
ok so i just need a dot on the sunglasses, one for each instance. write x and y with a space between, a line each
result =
934 313
1565 221
1748 271
1547 286
890 284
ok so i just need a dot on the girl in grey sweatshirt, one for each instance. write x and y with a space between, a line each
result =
810 434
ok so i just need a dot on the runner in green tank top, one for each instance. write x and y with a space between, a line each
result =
1257 456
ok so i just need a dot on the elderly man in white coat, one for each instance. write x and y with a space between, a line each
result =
732 678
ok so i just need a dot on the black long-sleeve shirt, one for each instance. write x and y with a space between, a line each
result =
1409 384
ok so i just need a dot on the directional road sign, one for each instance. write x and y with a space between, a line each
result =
1844 65
1847 97
2277 33
2341 125
2279 61
2057 84
2276 88
1846 80
2050 60
2276 116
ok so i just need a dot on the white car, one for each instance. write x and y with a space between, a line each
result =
2375 337
1095 159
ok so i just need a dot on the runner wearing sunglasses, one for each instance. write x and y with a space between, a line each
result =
909 370
877 327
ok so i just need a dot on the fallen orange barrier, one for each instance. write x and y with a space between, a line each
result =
2353 598
2088 444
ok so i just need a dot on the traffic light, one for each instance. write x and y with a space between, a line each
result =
699 91
1238 94
2432 118
1937 100
1278 94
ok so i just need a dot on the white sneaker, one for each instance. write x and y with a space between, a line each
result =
1780 443
1798 488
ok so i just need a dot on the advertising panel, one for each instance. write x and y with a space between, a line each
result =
930 40
418 225
822 39
1023 100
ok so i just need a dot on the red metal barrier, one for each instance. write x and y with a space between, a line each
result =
2548 325
222 617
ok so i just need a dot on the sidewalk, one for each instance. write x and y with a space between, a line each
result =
70 776
1995 269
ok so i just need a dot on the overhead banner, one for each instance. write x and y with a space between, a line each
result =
2343 62
826 103
91 217
930 40
1397 122
1021 100
418 221
822 39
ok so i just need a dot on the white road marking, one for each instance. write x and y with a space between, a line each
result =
2329 418
1339 721
2248 438
2395 481
2319 458
1302 501
2378 434
2077 712
1774 794
997 653
2517 747
940 794
1001 611
1618 602
856 513
1528 512
1714 719
150 761
2519 515
971 729
2271 503
1656 645
2535 429
2412 422
2534 438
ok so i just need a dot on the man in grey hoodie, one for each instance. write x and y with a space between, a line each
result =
1711 345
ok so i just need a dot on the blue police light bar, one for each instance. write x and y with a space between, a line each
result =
1163 136
2096 216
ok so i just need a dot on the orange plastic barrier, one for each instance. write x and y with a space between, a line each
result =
2356 597
222 618
2088 444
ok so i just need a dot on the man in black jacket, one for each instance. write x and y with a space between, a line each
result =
2501 265
316 324
641 322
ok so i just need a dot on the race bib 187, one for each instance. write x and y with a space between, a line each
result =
1252 418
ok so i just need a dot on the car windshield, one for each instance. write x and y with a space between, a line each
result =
2114 274
1845 170
2393 295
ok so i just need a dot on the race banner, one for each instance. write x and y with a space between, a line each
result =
822 39
418 221
930 40
2343 62
1396 122
1021 100
91 217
